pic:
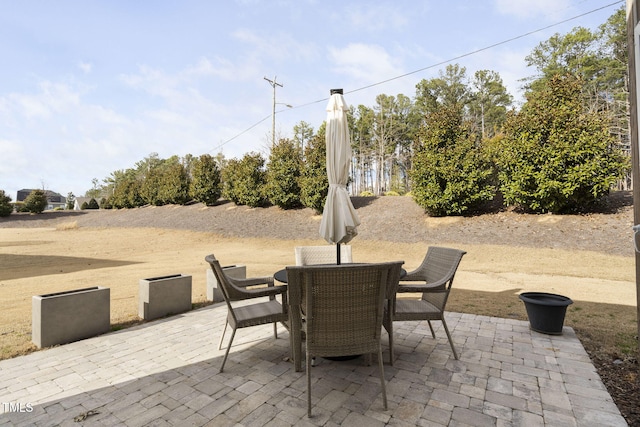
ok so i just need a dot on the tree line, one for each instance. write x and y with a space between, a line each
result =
456 145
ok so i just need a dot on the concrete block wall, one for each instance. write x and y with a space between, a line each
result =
63 317
161 296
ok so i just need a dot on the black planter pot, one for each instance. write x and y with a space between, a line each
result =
546 311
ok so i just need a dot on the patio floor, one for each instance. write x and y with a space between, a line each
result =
166 373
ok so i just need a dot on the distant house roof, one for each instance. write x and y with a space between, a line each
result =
52 196
77 205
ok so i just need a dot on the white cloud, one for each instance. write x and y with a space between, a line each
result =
14 158
374 17
152 81
225 68
550 10
279 46
366 63
85 67
52 98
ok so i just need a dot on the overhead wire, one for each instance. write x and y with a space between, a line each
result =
430 66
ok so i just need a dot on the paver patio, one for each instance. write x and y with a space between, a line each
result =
165 373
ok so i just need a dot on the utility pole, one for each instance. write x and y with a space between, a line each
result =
273 84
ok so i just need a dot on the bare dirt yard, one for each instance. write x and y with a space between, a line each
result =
589 258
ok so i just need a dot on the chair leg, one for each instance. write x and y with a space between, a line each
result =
226 353
308 385
382 382
387 323
389 328
222 336
295 336
446 329
433 334
275 330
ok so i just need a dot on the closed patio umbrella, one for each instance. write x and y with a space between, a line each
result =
339 218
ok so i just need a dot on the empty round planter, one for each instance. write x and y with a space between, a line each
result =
546 311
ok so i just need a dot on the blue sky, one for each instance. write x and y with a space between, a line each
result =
90 87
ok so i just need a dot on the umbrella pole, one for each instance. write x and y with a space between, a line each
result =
338 253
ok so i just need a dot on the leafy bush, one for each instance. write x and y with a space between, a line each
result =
71 198
367 193
283 175
166 182
205 184
126 194
391 193
36 201
150 188
93 204
314 184
244 180
450 174
5 204
175 183
556 155
229 180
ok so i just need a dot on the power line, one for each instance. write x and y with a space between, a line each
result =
433 65
485 48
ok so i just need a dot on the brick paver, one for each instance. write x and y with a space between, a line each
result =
165 373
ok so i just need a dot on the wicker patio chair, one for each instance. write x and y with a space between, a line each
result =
260 313
343 309
325 254
315 255
436 274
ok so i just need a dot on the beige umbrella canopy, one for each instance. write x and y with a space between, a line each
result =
339 218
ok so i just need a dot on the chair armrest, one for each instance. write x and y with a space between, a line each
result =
252 281
270 291
423 287
414 276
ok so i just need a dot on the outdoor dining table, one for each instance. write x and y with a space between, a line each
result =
281 275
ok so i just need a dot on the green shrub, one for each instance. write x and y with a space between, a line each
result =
283 175
150 188
93 204
205 185
36 201
71 198
391 193
314 184
126 193
5 204
244 180
167 182
366 193
229 179
450 174
174 187
557 156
